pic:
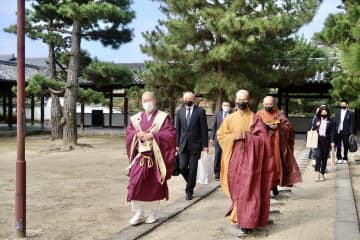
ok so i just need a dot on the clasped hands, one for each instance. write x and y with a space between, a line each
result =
240 135
144 136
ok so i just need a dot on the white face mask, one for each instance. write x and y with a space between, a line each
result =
226 109
148 106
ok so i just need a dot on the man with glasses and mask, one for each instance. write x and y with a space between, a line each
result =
151 146
246 165
218 118
344 128
191 139
282 138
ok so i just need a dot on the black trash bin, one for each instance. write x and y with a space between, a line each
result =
97 118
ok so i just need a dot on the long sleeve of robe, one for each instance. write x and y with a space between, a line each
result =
145 182
246 169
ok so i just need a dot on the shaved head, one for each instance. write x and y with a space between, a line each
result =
148 95
268 100
242 94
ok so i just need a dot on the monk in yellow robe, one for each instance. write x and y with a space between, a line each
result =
246 165
282 136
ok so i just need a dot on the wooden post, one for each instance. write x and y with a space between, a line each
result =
279 103
126 110
10 109
82 116
4 107
111 108
42 112
287 99
32 106
20 195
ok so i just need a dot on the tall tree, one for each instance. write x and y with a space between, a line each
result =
41 22
227 44
342 31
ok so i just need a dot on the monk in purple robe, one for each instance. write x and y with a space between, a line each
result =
282 138
151 146
246 166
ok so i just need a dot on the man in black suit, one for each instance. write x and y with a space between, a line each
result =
344 128
218 118
191 139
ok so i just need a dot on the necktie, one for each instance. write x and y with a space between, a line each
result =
188 116
224 115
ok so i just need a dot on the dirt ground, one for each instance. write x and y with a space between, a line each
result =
70 195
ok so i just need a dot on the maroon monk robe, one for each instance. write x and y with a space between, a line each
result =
289 168
250 177
144 176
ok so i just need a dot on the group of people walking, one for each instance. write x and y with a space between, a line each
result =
333 133
254 153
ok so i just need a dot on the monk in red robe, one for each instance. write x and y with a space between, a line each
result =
151 146
246 165
282 136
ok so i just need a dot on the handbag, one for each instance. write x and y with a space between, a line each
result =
312 139
352 143
205 169
176 169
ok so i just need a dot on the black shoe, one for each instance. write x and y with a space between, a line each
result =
246 230
217 177
275 191
189 196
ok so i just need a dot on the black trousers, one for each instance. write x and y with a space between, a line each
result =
188 168
217 158
344 139
323 154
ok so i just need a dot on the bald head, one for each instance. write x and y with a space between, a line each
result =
269 103
148 101
188 98
148 96
242 99
243 94
269 100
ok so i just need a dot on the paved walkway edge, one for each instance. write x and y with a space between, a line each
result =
346 223
135 232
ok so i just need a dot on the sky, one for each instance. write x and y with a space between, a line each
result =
147 16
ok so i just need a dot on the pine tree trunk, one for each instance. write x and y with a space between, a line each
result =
219 99
56 116
56 109
70 127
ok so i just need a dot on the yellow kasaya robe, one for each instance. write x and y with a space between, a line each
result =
246 168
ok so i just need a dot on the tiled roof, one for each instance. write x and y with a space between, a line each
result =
8 70
39 65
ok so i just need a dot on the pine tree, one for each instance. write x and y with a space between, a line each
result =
227 44
342 31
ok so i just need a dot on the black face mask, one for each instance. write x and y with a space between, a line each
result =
189 103
243 105
343 107
269 108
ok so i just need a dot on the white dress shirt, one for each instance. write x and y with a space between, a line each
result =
342 117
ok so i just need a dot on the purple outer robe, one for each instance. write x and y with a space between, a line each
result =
145 182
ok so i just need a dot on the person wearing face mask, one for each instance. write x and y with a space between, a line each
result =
191 139
282 136
151 146
218 118
344 128
326 129
246 166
